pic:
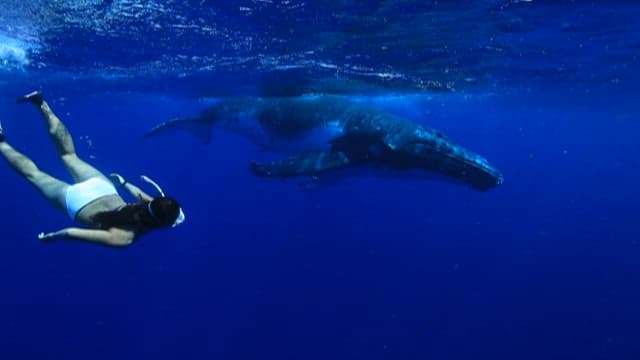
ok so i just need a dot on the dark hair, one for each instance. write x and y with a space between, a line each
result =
159 212
164 210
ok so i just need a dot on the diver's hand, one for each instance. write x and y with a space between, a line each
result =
118 179
49 237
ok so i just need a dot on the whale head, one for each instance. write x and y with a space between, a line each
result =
430 150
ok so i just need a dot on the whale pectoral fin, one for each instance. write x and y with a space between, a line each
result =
199 128
311 163
312 183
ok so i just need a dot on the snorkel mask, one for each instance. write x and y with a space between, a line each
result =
180 218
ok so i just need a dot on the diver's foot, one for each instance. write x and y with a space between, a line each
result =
32 97
1 133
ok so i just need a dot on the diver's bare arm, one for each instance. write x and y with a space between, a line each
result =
137 192
134 190
113 237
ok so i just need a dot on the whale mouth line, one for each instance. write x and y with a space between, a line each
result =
468 170
472 163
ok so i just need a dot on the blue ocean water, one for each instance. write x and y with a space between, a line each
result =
545 266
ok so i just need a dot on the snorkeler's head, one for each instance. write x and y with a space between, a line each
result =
165 211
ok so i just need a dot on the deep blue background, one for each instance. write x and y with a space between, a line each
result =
544 267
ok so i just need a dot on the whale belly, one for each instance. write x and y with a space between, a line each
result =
316 139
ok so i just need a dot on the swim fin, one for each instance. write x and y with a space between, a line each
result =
34 97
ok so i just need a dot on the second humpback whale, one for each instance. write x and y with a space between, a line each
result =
331 133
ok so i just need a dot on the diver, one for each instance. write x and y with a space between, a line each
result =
92 200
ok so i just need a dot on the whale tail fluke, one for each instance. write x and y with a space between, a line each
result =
200 129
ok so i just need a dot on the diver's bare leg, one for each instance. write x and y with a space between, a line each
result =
78 168
57 131
51 188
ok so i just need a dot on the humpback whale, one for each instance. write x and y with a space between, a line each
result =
322 134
